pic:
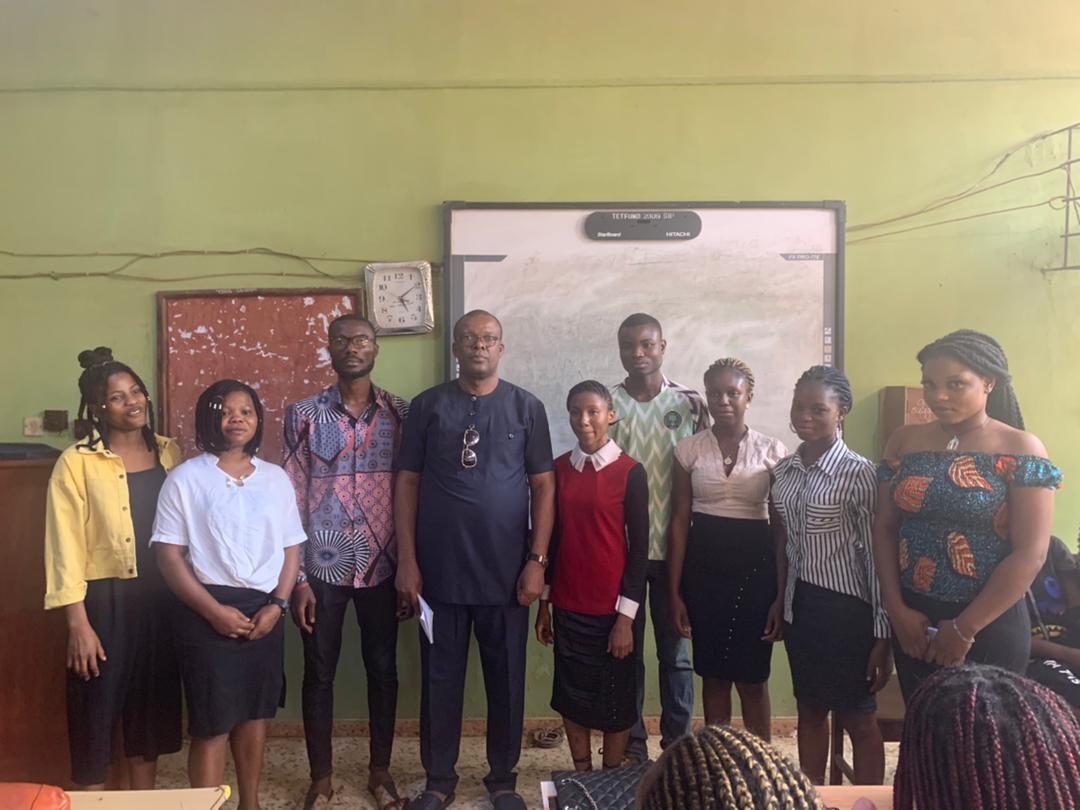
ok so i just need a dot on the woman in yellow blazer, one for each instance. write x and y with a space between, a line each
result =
98 567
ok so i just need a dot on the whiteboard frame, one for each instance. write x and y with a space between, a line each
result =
454 266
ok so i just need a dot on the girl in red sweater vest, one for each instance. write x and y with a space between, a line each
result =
596 579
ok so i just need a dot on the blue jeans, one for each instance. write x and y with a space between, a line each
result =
676 672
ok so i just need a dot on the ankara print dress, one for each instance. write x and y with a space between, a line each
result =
954 531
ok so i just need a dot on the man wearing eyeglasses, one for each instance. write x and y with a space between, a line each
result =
341 451
475 470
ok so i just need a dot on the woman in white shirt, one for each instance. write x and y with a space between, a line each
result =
722 551
228 537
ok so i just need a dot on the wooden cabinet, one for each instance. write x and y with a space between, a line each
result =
899 405
33 722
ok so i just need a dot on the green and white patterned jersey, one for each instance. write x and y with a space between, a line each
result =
648 432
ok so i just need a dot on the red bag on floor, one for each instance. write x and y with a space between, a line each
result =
28 796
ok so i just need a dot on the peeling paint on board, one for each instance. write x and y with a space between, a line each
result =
274 342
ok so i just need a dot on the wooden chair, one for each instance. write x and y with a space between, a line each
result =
890 717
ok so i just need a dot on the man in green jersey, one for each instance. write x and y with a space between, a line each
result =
654 415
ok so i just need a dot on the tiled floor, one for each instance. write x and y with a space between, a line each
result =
285 776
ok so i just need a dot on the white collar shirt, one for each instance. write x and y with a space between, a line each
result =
600 459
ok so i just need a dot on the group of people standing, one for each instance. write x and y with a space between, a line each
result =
455 500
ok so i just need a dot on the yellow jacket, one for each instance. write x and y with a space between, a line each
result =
88 529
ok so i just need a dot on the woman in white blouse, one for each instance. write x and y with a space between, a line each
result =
228 537
722 551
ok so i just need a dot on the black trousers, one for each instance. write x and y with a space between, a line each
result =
376 613
501 634
1005 642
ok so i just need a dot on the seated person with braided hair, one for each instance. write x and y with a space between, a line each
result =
719 767
964 513
984 738
1054 608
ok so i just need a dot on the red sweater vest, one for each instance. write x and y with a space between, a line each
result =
592 547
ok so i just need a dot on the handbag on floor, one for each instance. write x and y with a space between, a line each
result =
611 789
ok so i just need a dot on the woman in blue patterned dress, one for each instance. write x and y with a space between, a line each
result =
964 515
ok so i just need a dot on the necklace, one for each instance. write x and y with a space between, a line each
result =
954 442
729 457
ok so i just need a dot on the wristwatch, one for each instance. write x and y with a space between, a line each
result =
542 559
281 603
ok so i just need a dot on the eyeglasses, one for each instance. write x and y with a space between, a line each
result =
469 440
359 341
475 340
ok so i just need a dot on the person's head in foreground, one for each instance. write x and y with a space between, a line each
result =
719 767
983 738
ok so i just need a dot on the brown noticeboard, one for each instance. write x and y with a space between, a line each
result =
274 340
900 405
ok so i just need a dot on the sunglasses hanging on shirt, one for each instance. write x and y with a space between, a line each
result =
469 440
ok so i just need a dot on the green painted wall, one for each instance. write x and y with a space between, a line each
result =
337 128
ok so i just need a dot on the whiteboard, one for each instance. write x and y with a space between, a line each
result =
761 281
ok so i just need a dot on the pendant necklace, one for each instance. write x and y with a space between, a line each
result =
954 442
729 458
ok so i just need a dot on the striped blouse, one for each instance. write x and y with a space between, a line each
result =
828 512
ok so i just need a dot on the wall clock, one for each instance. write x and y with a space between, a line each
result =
399 297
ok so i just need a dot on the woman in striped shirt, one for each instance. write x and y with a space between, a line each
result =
835 628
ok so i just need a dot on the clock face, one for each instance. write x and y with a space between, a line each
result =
399 298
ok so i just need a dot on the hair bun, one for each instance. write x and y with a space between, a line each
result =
94 357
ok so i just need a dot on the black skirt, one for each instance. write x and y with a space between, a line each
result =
228 681
828 644
1005 642
139 684
728 585
592 688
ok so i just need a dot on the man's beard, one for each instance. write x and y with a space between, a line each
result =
353 374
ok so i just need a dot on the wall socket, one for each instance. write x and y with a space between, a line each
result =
32 426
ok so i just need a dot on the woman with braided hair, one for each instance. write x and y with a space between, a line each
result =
983 738
965 509
835 631
98 567
724 768
721 557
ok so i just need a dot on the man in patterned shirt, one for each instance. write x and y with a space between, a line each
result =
654 414
341 450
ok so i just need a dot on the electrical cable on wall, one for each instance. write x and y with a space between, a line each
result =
119 273
131 258
1057 202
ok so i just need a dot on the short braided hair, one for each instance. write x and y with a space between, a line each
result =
590 387
736 365
984 738
723 767
833 379
983 355
98 367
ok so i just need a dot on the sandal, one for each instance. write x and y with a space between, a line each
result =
387 798
429 800
313 800
548 737
583 761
